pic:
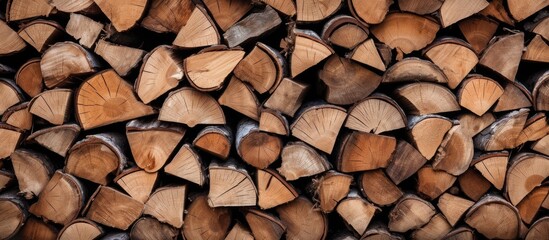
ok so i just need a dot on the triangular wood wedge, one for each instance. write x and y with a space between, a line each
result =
191 107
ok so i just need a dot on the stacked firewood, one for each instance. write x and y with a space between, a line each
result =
274 119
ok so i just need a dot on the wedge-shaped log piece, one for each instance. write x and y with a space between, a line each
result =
454 57
14 214
167 204
227 12
11 94
498 11
106 98
452 11
41 33
540 26
137 183
527 171
319 125
379 231
29 77
461 233
239 232
494 217
20 9
61 199
436 228
414 70
426 98
347 81
303 220
241 98
471 124
330 188
537 50
204 222
405 162
478 31
541 145
539 229
58 139
252 27
308 51
52 105
230 186
11 137
367 53
6 179
493 167
272 189
377 113
287 97
97 157
151 142
191 107
515 96
208 69
215 140
284 7
427 132
18 116
356 211
540 92
167 16
83 29
411 212
453 207
263 68
113 209
264 225
455 152
378 188
273 121
420 7
82 229
161 71
365 151
124 59
535 128
503 55
344 31
406 32
123 14
199 31
520 10
256 148
150 228
372 12
531 204
65 60
187 164
503 133
36 228
33 171
473 184
316 10
432 183
70 6
300 160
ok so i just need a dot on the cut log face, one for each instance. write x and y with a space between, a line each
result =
301 160
436 228
191 107
284 7
344 31
199 31
11 94
531 204
405 162
414 70
83 29
541 145
452 11
97 158
503 133
376 114
331 188
240 97
493 167
420 7
411 212
151 142
72 6
14 214
316 10
453 207
478 94
20 10
64 60
273 122
379 231
226 12
356 211
494 217
123 15
264 225
455 152
372 12
367 53
230 186
520 10
302 221
506 66
137 183
473 184
150 228
272 189
52 105
167 204
161 18
187 164
515 96
252 27
347 81
540 94
263 68
36 228
309 50
471 124
378 188
26 161
426 98
6 179
11 137
214 140
41 33
537 50
365 151
205 222
112 208
541 28
11 42
527 171
319 126
57 139
81 228
432 183
18 116
208 70
61 199
478 31
161 71
257 148
497 10
461 233
124 59
287 97
427 133
239 232
29 77
539 229
415 34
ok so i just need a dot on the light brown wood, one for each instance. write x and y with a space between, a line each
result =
187 165
230 186
240 97
316 10
83 29
473 184
6 179
256 148
377 113
406 161
420 7
507 64
147 228
526 171
272 121
18 116
454 57
52 105
541 27
531 204
72 6
426 98
11 137
367 53
436 228
167 16
112 208
57 139
29 77
308 51
432 183
494 217
371 12
520 10
285 7
123 14
414 70
11 42
453 207
515 96
287 97
123 59
199 108
455 152
471 124
161 71
207 70
33 171
537 50
535 128
365 151
82 229
331 188
272 189
301 160
452 11
427 133
497 10
24 9
478 31
263 68
541 145
35 228
410 212
264 225
199 31
14 214
493 167
539 93
167 204
214 140
356 211
11 94
227 12
239 232
302 220
41 33
137 183
378 188
539 229
503 133
461 233
204 222
252 27
344 31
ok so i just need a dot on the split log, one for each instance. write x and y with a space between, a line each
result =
471 124
82 229
454 57
493 167
452 11
426 98
240 97
207 70
539 92
19 9
461 233
147 228
112 208
410 212
11 43
37 229
14 214
52 105
226 12
167 16
205 222
427 132
6 179
531 204
11 94
57 139
300 160
539 229
123 15
137 183
263 68
527 171
376 114
506 66
29 77
331 188
264 225
520 10
315 10
537 50
33 171
302 221
420 7
541 145
431 183
272 189
497 10
18 116
199 31
252 27
368 53
455 152
406 161
436 228
473 184
41 33
187 165
256 148
83 29
191 107
308 50
365 151
503 133
73 6
378 188
272 121
214 140
370 13
122 59
478 31
494 217
356 211
239 232
11 137
344 31
515 96
230 186
414 70
453 207
287 97
167 204
535 128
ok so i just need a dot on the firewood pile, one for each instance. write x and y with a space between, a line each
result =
274 119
